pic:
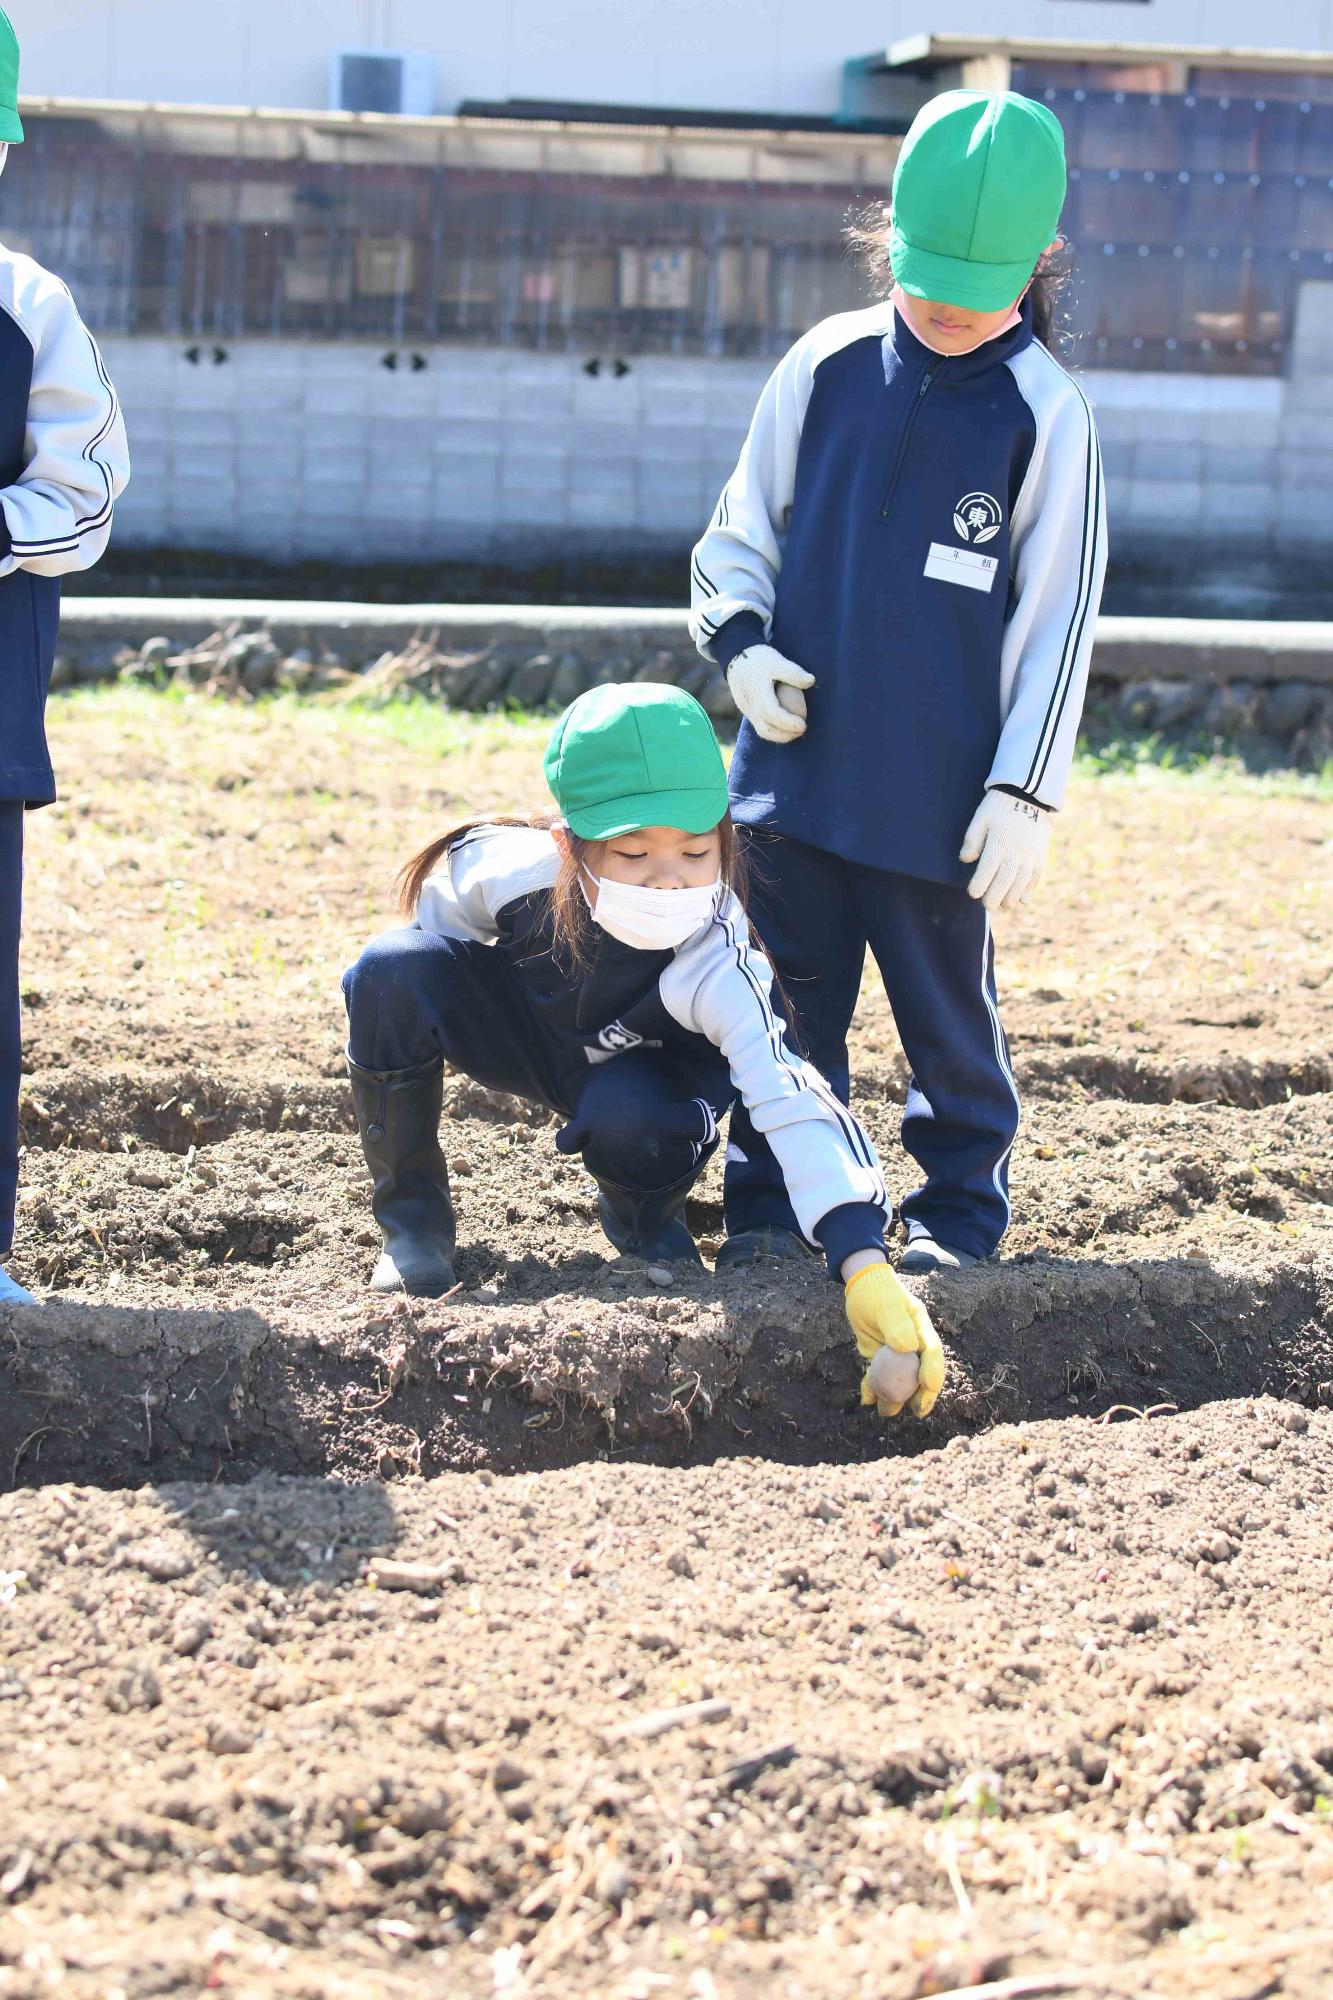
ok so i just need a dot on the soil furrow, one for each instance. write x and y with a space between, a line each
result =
757 1366
100 1110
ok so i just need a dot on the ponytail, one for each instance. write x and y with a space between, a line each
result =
410 880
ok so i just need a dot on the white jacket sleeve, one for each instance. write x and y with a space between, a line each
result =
719 986
1059 561
57 514
488 868
735 564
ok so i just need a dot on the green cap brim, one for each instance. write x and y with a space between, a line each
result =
696 810
958 281
11 127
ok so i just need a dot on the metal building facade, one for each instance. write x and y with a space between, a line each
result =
1195 217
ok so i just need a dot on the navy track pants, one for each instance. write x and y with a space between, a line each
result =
815 915
11 1054
413 996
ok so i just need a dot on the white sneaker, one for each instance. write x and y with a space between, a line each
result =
12 1294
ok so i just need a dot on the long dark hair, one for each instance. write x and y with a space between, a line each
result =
868 235
572 943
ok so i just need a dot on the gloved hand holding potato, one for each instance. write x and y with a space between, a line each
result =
895 1337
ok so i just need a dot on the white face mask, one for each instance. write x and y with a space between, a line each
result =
4 154
652 919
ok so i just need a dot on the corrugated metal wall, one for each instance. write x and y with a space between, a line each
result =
1194 219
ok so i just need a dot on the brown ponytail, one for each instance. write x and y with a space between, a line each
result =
410 880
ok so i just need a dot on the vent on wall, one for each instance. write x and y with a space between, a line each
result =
382 80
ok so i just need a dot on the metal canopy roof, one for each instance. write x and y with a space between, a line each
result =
924 52
523 116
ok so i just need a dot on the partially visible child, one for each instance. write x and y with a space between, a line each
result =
63 461
597 960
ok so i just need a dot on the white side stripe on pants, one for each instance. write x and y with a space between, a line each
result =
1001 1056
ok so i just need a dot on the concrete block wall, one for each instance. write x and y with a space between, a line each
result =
292 449
1193 459
295 449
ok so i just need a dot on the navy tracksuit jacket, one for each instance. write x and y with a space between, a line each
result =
926 535
643 1051
63 461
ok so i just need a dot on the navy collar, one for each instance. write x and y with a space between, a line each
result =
901 344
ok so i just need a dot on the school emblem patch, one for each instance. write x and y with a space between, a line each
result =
617 1037
977 517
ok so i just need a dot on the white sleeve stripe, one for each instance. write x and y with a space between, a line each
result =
1070 628
87 523
1079 614
803 1074
1068 680
703 577
1052 732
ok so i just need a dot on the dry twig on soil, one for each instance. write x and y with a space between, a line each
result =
660 1720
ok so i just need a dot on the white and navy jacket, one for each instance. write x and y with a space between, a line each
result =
63 462
926 535
494 887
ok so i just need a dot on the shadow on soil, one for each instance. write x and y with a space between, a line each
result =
759 1364
279 1531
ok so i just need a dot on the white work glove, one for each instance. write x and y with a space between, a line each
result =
1007 839
766 688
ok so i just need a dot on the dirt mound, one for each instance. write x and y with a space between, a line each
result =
758 1364
279 1215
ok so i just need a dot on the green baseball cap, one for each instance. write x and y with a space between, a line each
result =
636 754
11 130
977 195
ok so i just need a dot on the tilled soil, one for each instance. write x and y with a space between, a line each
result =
1051 1700
212 868
1044 1681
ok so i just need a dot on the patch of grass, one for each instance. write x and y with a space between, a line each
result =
417 723
1107 748
414 720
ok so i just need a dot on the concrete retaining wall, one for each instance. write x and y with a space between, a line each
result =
1231 678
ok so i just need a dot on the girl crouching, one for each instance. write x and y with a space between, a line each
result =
598 961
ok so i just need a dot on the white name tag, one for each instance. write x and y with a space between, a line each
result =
966 566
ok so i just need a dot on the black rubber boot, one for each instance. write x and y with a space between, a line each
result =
749 1245
651 1226
925 1253
398 1118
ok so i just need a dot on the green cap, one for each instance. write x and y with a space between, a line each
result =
11 131
636 754
977 196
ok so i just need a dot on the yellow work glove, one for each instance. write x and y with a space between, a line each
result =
882 1313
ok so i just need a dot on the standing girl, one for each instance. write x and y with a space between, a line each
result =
901 582
598 961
